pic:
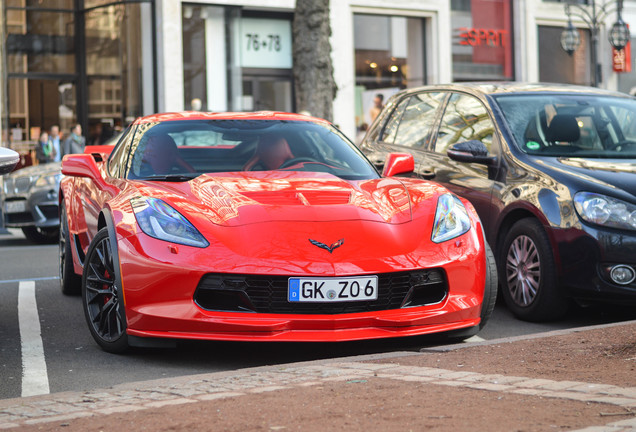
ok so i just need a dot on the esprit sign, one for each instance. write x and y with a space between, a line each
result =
480 36
266 43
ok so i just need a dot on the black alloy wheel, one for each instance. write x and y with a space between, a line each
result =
527 273
41 235
70 282
101 295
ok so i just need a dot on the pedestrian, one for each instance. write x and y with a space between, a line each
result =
378 104
75 142
44 150
196 104
54 139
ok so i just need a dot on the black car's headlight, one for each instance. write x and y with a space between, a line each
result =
51 180
451 219
159 220
605 211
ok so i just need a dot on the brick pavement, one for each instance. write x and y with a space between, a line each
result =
176 391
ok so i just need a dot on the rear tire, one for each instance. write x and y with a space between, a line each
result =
70 282
39 235
528 275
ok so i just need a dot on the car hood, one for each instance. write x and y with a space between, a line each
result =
237 199
615 174
38 170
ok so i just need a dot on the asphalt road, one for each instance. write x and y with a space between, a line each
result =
69 359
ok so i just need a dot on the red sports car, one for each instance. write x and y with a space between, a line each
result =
264 227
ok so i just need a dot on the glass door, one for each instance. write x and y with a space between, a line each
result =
35 105
262 93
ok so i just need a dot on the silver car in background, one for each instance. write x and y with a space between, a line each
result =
30 201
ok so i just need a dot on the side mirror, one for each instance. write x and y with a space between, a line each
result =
80 165
472 151
84 165
398 163
8 160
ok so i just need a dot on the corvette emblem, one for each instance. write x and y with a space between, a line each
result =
324 246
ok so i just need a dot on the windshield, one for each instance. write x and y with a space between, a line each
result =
178 150
575 125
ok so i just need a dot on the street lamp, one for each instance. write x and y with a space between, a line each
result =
594 15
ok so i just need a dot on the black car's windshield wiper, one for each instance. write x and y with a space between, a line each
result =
172 177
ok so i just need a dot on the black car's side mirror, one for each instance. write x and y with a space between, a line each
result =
472 151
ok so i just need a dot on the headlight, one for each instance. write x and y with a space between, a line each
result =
451 219
49 180
603 210
159 220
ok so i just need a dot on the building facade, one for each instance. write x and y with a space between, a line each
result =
102 63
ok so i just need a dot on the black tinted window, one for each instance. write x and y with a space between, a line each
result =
465 119
116 159
586 125
391 127
192 147
417 121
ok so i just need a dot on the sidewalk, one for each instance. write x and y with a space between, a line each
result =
582 379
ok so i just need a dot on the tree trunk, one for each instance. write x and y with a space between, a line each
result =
313 71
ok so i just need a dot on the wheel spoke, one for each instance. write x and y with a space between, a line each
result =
523 273
101 295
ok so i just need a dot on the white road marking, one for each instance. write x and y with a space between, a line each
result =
31 279
474 339
35 379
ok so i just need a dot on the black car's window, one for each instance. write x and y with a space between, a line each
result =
187 148
417 121
391 126
582 125
465 118
121 148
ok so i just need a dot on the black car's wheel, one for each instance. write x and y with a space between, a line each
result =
70 282
41 235
490 290
101 295
528 273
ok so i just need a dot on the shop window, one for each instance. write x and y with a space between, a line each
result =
194 57
389 56
574 69
482 40
118 68
40 41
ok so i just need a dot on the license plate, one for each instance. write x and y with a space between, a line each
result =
15 206
326 290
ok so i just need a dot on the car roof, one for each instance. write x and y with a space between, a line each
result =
199 115
499 88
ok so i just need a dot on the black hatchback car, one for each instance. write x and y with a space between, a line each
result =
551 170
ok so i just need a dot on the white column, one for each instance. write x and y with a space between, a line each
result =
169 55
344 71
216 59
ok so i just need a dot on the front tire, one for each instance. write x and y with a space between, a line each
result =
41 235
102 296
528 274
490 289
70 282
